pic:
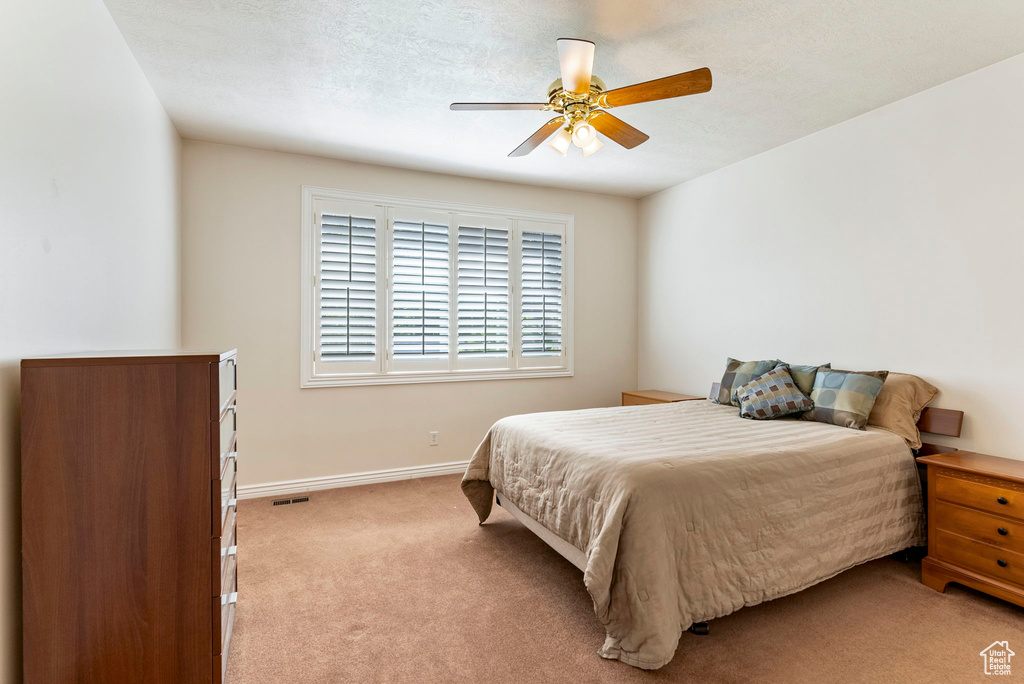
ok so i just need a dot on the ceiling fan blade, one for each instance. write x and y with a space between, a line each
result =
618 130
535 140
481 106
689 83
576 58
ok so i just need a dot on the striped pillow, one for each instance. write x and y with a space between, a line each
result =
772 395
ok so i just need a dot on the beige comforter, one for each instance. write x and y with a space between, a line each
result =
687 512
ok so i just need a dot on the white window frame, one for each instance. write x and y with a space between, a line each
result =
382 370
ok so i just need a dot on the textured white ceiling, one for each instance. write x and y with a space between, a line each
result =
371 80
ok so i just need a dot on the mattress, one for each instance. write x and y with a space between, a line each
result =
686 512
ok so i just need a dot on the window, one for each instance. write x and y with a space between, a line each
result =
542 293
398 290
348 287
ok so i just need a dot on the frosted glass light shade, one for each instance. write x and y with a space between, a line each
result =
592 147
560 143
576 60
583 134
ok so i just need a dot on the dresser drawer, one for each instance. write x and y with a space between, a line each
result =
225 491
226 441
228 381
224 614
978 491
629 400
980 557
227 579
227 487
224 549
220 662
1005 533
228 536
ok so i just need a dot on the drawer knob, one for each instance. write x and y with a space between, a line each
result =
1003 531
1002 563
1002 500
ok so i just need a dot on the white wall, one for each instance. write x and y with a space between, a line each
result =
89 179
891 241
240 288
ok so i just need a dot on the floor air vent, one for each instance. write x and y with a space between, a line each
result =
285 502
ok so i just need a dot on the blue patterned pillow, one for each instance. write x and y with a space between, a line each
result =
772 395
739 372
803 376
844 397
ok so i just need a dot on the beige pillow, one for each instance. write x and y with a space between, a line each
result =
899 404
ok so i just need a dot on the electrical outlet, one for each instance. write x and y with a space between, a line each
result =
433 438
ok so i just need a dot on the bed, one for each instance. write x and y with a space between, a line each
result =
680 513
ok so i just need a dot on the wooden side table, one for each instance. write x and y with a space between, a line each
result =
975 524
640 397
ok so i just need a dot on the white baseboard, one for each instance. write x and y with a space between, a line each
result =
350 480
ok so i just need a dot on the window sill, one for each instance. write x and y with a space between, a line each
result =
428 377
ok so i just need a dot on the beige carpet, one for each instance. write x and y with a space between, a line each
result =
397 583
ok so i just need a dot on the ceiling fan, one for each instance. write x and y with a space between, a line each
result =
580 98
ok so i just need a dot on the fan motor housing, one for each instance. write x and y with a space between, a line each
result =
575 106
597 86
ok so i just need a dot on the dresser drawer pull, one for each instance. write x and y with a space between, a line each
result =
229 552
228 599
1002 563
1002 500
1003 531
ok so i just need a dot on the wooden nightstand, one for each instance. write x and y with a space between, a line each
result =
975 524
639 397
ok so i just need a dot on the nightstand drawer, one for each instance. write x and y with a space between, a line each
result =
630 400
643 397
1001 564
978 491
1005 533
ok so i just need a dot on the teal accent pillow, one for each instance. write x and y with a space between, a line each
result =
772 395
844 397
738 373
803 376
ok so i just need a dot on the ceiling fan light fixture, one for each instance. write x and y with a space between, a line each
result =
592 147
581 101
560 143
583 134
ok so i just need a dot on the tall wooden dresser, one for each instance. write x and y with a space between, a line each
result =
128 517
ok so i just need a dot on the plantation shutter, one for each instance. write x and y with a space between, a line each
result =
541 294
420 286
483 293
403 291
347 287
